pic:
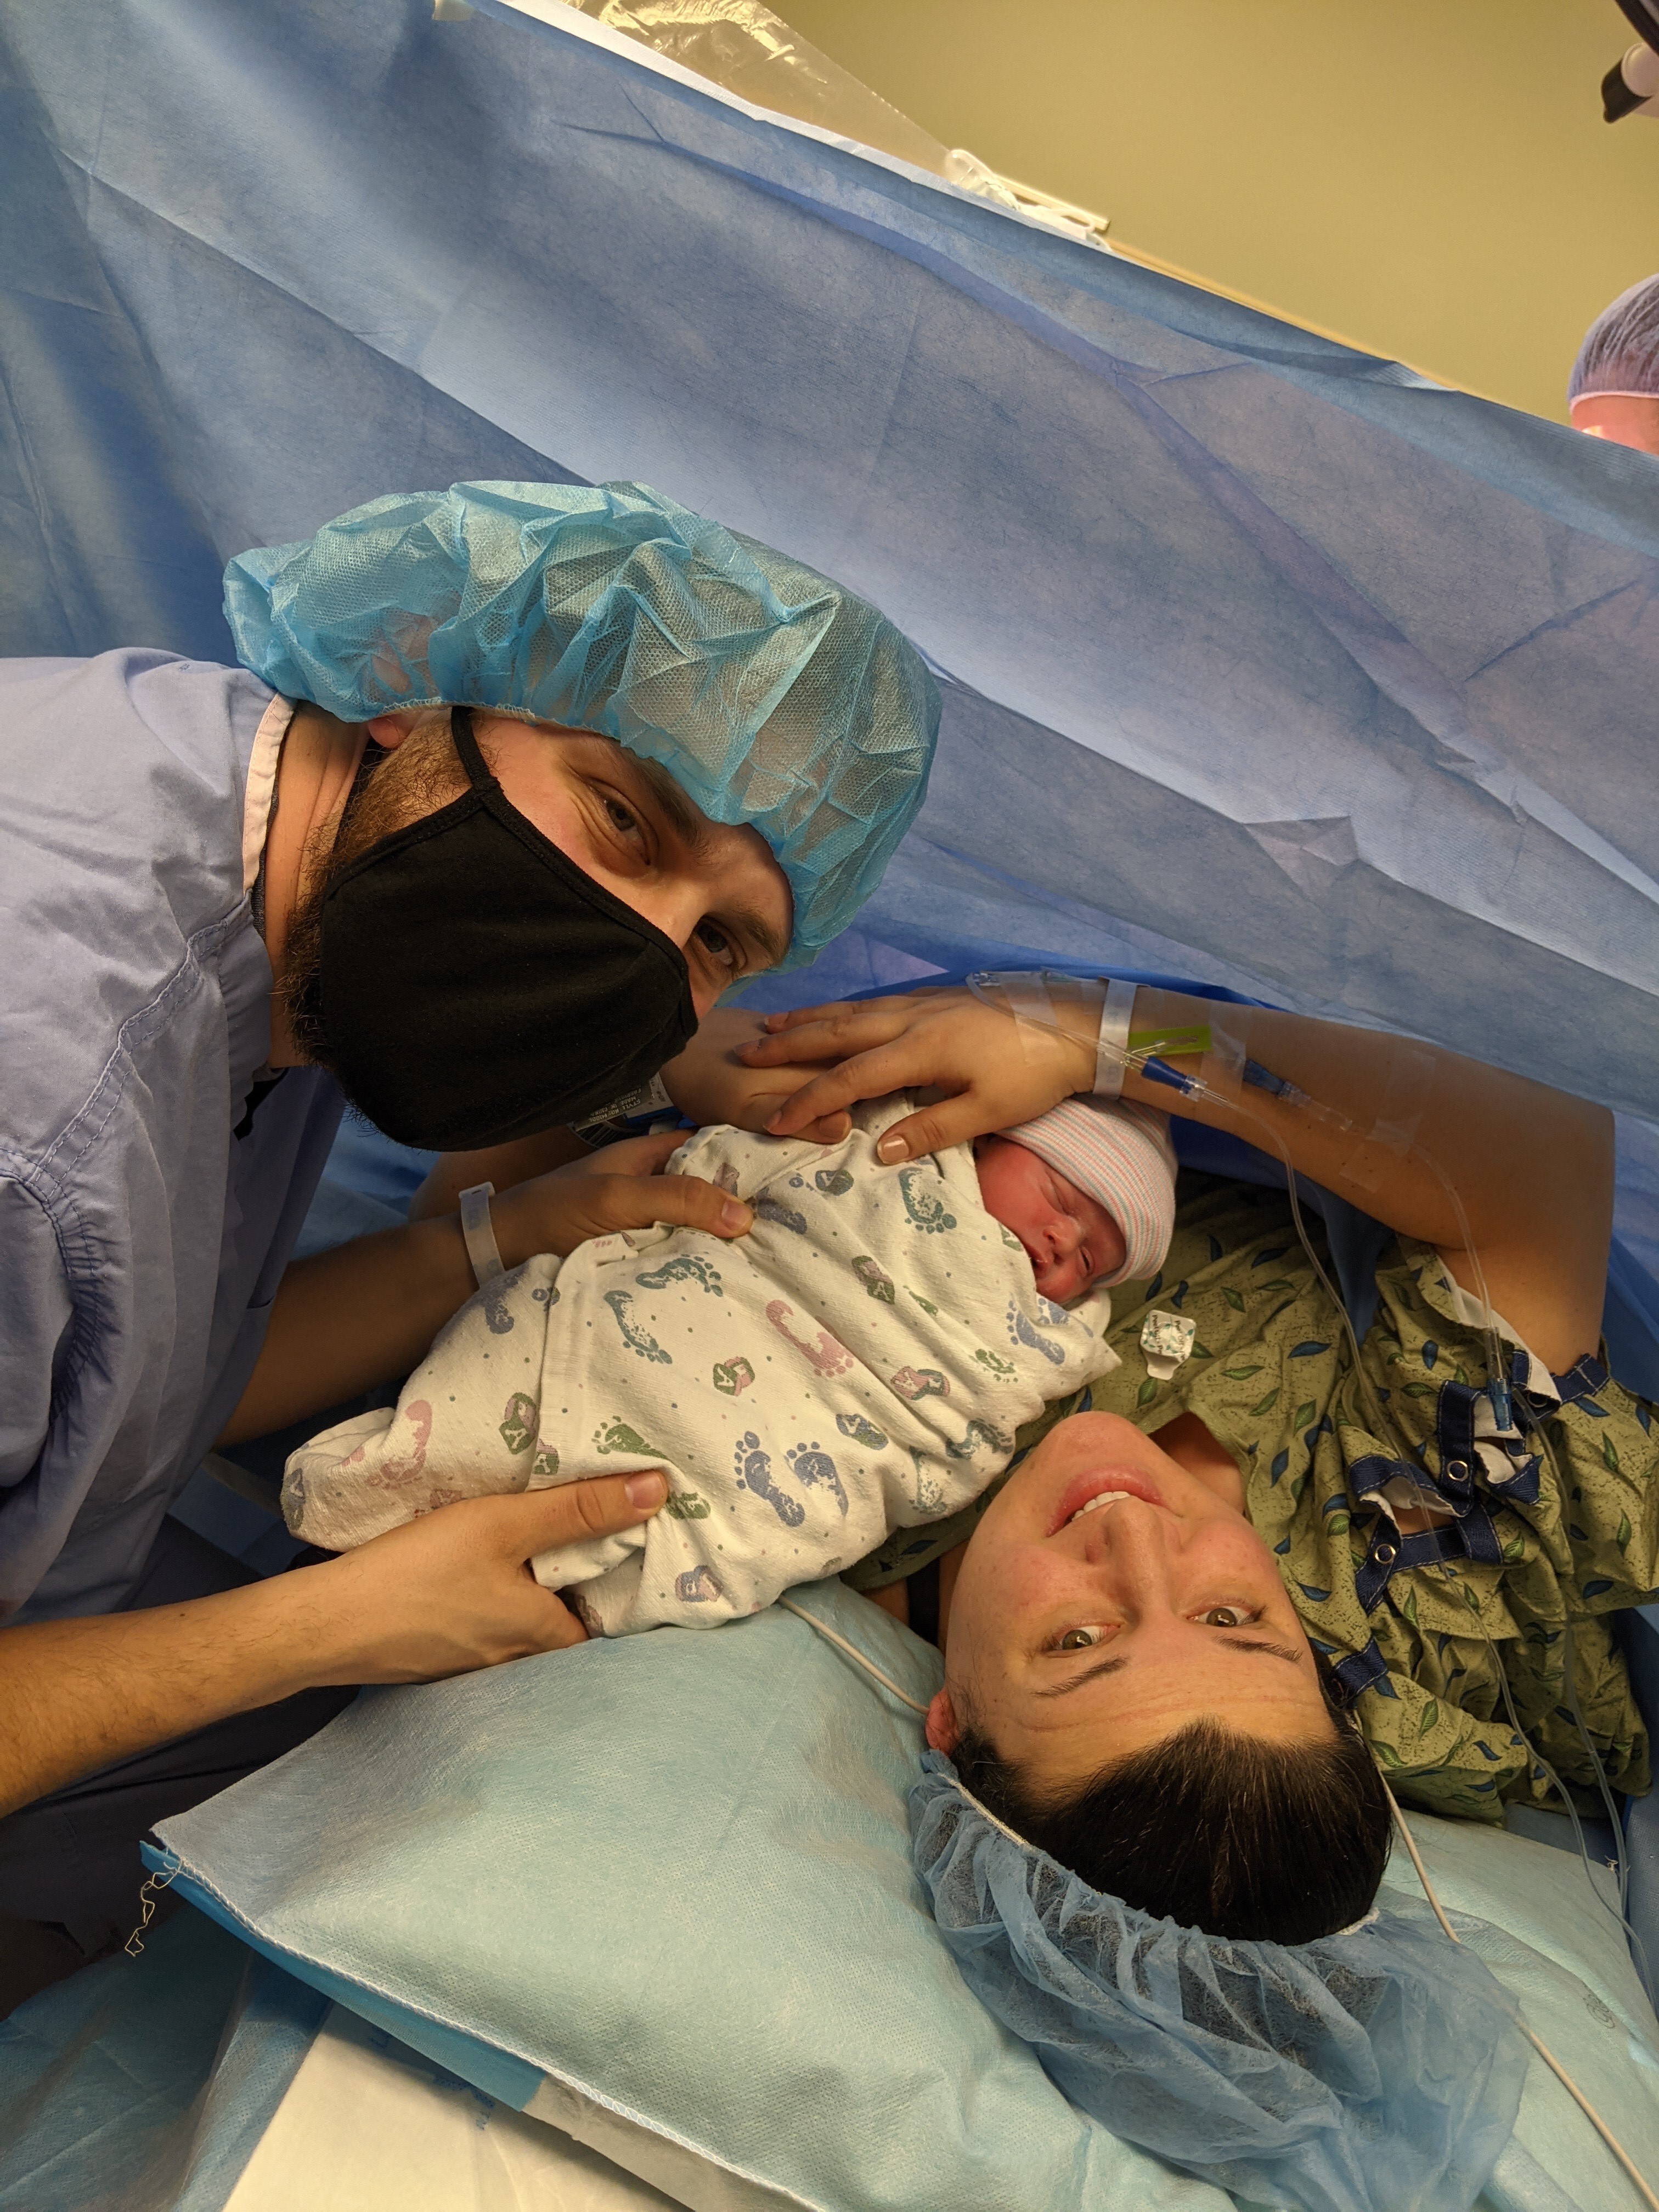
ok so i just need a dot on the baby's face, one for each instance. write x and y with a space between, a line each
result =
1069 1238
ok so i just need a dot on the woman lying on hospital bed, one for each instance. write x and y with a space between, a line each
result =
1156 1632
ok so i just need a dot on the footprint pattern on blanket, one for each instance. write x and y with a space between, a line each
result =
733 1377
753 1471
874 1277
925 1206
774 1209
994 1364
1020 1331
637 1339
862 1431
616 1436
496 1316
826 1356
976 1433
684 1267
698 1586
927 1305
834 1182
687 1505
398 1472
810 1465
917 1383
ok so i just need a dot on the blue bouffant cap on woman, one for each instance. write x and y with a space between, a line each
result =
771 695
1620 356
1369 2071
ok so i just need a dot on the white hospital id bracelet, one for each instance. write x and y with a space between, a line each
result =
1112 1049
479 1233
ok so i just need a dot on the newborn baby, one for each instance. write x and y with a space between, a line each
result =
859 1362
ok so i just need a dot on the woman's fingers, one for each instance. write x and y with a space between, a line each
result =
867 1075
830 1033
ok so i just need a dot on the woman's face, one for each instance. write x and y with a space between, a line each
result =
1107 1598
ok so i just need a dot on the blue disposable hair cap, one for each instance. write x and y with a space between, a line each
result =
1369 2070
1620 356
770 694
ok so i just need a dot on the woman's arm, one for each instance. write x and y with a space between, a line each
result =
449 1593
1454 1153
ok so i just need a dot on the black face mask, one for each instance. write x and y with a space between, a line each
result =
476 986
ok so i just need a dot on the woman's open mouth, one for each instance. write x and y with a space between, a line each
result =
1094 1491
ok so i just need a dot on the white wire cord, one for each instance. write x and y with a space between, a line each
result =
868 1665
1542 2049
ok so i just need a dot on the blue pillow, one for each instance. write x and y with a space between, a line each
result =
659 1891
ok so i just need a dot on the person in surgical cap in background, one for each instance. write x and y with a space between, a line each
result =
1613 390
516 780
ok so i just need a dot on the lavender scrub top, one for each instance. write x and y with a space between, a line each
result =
146 1215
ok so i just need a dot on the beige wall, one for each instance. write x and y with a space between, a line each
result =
1430 178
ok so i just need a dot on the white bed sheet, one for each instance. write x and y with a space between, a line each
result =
368 2126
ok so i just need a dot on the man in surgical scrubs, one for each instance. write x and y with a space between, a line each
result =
1613 390
221 911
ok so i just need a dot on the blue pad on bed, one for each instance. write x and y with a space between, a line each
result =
659 1891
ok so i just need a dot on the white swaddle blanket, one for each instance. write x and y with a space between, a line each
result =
859 1362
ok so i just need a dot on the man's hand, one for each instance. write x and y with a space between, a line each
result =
623 1187
710 1083
454 1591
996 1071
449 1593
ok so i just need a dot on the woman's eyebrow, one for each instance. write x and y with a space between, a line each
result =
1273 1651
1089 1675
1115 1666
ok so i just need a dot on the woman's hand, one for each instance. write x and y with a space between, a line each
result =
710 1083
995 1071
454 1591
621 1186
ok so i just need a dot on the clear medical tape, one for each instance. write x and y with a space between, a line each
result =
1628 2164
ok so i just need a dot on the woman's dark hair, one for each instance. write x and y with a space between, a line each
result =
1263 1841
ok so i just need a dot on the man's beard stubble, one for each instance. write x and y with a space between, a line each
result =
392 790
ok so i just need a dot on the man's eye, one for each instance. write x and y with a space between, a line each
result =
623 818
718 945
1078 1639
1227 1616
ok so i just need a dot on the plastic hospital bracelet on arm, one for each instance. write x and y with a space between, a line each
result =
633 1114
478 1232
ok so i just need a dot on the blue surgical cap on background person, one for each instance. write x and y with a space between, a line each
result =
1375 2069
1620 356
771 695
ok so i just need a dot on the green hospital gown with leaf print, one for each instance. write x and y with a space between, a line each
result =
1546 1544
